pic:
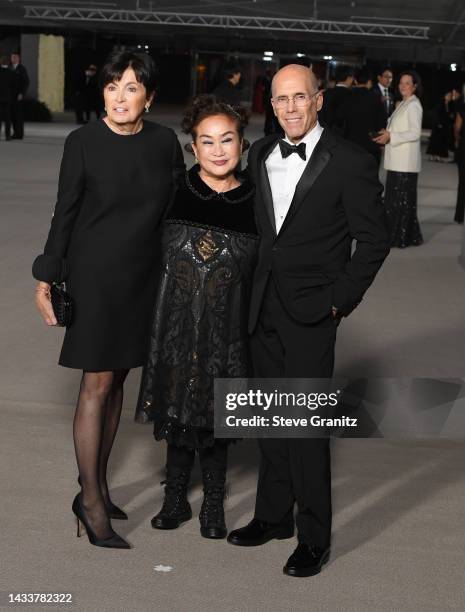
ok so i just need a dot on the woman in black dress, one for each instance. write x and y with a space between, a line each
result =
459 132
440 139
209 245
116 178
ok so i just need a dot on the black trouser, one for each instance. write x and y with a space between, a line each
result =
212 458
18 119
294 470
5 117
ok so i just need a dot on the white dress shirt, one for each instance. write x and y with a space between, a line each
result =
284 174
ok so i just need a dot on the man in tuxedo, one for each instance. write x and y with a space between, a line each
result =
21 87
363 115
315 194
336 98
383 92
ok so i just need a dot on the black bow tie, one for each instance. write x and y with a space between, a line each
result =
287 149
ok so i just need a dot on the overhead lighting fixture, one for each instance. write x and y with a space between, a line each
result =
328 57
267 58
453 67
268 53
300 54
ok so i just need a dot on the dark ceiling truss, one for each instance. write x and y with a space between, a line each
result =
237 22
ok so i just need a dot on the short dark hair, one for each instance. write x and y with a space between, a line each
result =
416 81
363 76
207 105
143 65
230 70
383 69
343 72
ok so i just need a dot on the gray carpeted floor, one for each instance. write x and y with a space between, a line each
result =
398 538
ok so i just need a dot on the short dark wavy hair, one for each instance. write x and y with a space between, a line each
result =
207 105
117 63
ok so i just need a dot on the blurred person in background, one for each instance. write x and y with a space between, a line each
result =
92 93
363 115
229 88
383 91
335 100
88 97
439 144
21 87
7 92
459 135
402 160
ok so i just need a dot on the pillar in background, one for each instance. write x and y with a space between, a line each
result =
51 72
29 55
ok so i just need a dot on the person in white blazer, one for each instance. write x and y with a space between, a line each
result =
402 160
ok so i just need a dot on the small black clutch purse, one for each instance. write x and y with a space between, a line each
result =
62 304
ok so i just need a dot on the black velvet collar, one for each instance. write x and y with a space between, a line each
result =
200 189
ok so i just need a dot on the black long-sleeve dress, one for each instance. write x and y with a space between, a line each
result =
113 190
199 331
460 204
441 134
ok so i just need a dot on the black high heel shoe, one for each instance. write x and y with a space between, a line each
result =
112 510
114 541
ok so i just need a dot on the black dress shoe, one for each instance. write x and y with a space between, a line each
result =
306 560
259 532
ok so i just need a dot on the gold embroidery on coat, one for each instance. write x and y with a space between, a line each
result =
206 246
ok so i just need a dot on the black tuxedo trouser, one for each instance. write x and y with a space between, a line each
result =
294 470
18 118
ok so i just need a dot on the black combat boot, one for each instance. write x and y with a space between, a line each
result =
176 509
212 524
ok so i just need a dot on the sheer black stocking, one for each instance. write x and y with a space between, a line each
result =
110 427
88 429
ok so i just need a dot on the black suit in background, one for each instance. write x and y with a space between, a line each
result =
386 100
362 114
21 87
229 92
7 90
301 273
330 115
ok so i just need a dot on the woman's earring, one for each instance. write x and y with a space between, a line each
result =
147 108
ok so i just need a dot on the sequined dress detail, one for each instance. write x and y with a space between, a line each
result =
209 246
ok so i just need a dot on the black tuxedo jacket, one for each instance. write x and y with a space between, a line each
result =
388 108
363 113
337 199
21 79
334 100
7 85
